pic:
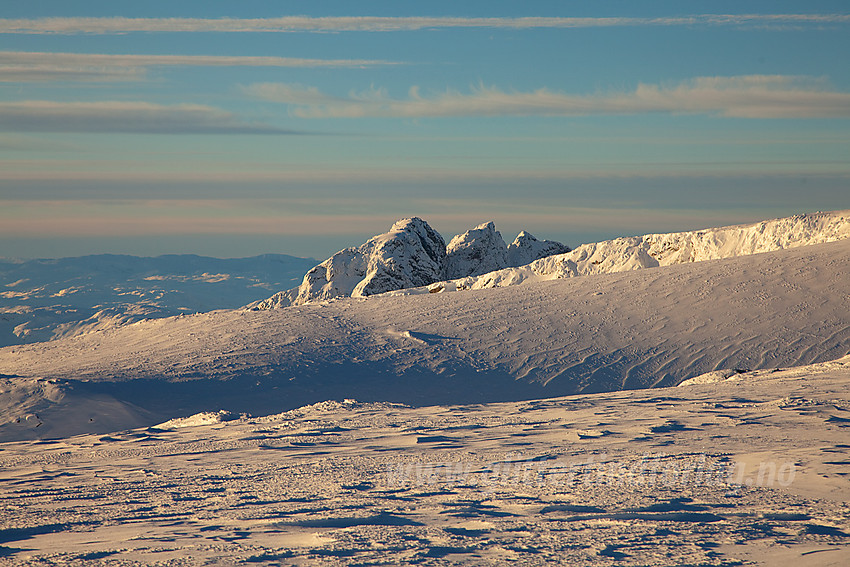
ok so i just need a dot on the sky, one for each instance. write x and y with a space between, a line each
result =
234 129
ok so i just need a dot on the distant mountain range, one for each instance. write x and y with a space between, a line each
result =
47 299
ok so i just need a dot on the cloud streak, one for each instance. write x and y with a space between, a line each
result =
79 25
23 66
123 117
751 96
140 218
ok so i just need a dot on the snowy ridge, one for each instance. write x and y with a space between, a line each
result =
410 255
736 375
653 250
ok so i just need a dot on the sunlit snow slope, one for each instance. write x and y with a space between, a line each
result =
612 331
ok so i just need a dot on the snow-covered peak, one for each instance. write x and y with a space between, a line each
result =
411 254
526 249
476 251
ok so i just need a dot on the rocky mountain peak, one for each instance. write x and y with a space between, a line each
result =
476 251
410 254
526 249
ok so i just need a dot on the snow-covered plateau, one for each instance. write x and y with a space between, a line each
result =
678 399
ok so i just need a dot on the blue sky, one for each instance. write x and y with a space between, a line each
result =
234 129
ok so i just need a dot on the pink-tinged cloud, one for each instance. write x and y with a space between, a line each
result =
79 25
123 117
23 66
125 171
751 96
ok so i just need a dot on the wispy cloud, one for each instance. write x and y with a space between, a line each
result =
230 174
751 96
125 117
77 25
23 66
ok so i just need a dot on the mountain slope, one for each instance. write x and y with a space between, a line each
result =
612 331
476 251
526 249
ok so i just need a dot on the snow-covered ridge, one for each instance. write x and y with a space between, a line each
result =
735 375
410 255
653 250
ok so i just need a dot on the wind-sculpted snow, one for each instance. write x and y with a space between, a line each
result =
410 255
654 250
616 331
754 473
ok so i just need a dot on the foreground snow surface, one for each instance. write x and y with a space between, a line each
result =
752 470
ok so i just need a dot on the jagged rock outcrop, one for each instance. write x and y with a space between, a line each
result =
526 249
411 254
476 251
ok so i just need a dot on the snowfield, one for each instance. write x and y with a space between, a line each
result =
748 472
685 401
